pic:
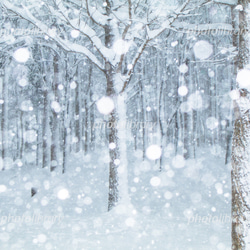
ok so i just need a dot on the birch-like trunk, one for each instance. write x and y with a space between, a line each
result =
118 177
241 148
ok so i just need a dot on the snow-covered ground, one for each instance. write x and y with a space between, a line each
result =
177 208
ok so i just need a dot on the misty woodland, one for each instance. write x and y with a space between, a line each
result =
125 124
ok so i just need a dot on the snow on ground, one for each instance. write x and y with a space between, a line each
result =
177 208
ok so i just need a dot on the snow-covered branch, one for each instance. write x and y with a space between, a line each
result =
65 44
96 16
87 31
152 34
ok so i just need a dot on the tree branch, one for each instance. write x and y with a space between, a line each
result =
65 44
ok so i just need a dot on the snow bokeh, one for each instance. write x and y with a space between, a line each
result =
212 123
183 68
75 33
203 50
182 90
21 55
121 47
105 105
153 152
63 194
243 79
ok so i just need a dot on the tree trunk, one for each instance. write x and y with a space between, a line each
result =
55 119
4 122
113 138
240 174
46 130
240 184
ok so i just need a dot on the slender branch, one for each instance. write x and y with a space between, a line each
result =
91 16
136 58
152 35
87 32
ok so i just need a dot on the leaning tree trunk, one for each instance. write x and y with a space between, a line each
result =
241 148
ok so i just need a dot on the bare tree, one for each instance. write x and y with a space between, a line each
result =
110 34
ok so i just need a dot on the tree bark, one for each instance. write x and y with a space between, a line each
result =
240 174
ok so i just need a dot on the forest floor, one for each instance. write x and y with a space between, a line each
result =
177 208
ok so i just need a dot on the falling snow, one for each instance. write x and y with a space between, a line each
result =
121 47
153 152
21 55
63 194
203 50
105 105
117 124
243 79
182 91
212 123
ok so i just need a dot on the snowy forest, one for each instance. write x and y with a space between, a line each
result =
125 124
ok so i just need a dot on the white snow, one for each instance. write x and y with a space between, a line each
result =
30 136
3 188
203 50
23 82
21 55
26 105
117 162
212 123
153 152
56 106
60 87
87 201
52 32
130 222
185 107
63 194
173 44
183 68
105 105
168 195
239 7
155 181
73 85
41 238
121 47
230 2
243 79
211 73
86 216
112 145
234 94
195 101
130 66
74 33
178 161
182 90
